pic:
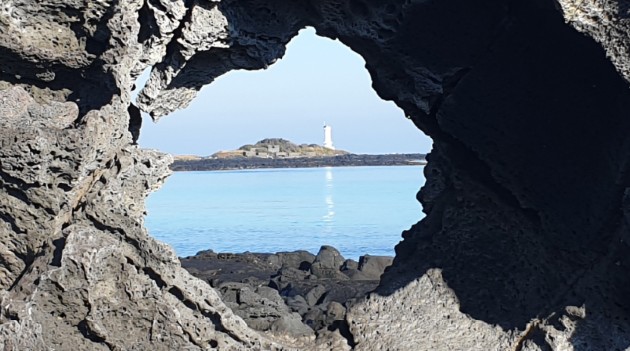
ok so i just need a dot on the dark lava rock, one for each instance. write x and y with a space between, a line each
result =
315 295
327 263
282 280
262 309
291 325
227 267
315 319
288 291
335 312
301 260
298 304
371 267
349 265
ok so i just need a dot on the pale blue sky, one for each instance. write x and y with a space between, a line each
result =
318 80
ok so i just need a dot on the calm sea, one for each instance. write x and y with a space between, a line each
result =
358 210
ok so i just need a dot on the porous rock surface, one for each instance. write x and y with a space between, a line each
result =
524 243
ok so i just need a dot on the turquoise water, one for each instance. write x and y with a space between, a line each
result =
358 210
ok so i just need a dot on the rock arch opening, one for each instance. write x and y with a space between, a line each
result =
317 236
317 80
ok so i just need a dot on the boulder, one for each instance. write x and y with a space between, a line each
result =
315 319
292 326
327 263
263 309
297 303
301 260
349 264
282 280
269 294
334 312
315 295
372 267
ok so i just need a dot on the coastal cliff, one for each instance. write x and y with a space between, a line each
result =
525 241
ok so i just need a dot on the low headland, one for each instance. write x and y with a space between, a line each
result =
281 153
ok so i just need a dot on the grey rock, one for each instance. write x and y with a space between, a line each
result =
277 283
285 276
373 266
298 304
335 312
327 263
262 309
315 318
314 296
301 260
439 310
354 274
79 271
269 294
230 291
292 273
349 264
292 325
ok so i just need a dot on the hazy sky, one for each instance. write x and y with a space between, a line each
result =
318 80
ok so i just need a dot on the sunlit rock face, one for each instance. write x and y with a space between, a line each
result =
524 244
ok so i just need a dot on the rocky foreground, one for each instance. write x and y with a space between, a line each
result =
295 293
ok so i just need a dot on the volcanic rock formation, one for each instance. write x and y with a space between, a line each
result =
525 241
295 293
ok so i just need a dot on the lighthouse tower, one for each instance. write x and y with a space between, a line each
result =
328 137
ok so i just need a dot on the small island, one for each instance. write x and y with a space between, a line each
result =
281 153
276 148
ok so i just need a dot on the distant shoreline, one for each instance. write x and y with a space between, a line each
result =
224 164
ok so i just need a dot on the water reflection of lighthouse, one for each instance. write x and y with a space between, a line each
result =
329 217
328 137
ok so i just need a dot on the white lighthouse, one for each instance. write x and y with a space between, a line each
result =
328 137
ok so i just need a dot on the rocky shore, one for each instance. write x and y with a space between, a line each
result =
216 164
295 293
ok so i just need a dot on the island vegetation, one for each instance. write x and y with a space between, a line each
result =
278 148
